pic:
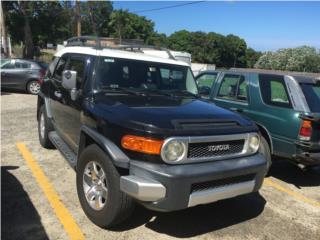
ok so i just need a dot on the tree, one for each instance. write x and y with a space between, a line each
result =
22 13
252 57
95 16
229 51
158 39
302 59
234 51
125 25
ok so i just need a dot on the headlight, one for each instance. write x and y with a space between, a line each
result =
173 150
253 144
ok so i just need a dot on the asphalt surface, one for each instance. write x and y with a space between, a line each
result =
287 207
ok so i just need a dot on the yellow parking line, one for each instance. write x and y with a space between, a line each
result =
291 193
60 210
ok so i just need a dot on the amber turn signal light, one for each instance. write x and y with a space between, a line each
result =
141 144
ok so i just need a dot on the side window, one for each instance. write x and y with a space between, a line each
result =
233 87
78 65
274 91
59 68
20 65
206 80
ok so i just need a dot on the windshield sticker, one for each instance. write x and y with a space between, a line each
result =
109 60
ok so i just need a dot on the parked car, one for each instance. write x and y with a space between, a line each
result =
21 74
285 108
135 130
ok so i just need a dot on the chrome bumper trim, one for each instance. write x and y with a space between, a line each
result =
142 189
219 193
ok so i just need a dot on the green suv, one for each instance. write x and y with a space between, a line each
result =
285 108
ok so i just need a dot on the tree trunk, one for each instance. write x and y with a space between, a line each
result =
78 18
4 34
28 43
93 23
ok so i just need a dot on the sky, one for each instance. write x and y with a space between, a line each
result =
264 25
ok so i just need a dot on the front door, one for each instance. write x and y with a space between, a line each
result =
231 92
70 110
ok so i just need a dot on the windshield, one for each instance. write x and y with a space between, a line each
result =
141 75
312 94
4 62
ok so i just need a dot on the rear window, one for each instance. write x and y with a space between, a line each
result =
312 94
274 91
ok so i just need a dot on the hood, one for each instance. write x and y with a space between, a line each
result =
166 113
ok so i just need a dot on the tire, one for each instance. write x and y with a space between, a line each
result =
117 206
44 127
265 151
33 87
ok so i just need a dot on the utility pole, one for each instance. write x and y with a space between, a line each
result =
78 18
4 36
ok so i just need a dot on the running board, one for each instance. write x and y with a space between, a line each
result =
65 150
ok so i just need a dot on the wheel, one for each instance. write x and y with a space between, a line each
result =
44 127
264 149
98 187
33 87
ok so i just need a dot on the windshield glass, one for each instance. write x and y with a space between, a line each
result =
312 94
4 62
142 75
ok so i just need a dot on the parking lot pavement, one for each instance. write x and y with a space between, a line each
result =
287 207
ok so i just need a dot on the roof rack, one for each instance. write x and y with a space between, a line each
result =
133 45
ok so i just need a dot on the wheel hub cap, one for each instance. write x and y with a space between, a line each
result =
95 185
34 88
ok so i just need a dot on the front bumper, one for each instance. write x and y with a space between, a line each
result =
165 187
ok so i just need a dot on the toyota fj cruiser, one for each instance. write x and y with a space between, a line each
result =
133 127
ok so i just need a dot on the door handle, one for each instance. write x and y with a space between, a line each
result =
57 94
239 110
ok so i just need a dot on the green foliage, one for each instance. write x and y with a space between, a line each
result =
125 25
301 59
224 51
94 17
54 21
252 57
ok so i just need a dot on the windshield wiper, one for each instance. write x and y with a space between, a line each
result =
123 90
157 91
184 93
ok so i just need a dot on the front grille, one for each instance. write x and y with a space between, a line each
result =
221 182
215 149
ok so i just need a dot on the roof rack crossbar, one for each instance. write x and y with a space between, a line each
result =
95 42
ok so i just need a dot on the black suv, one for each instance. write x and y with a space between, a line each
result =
133 127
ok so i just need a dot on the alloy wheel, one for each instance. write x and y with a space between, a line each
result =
95 185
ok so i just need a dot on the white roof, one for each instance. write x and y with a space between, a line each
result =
119 54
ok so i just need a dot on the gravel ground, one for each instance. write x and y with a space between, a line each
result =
27 214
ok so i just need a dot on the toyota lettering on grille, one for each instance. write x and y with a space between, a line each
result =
217 148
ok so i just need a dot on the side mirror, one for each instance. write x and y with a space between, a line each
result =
69 79
204 91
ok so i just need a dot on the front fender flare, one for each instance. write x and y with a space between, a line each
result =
118 158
